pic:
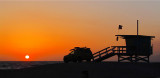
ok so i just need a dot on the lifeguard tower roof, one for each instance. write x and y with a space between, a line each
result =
135 36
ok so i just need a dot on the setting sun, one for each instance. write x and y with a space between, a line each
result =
27 56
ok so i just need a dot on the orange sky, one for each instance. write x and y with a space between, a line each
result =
46 30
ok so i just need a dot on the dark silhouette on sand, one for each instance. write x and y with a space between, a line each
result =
78 55
138 48
84 70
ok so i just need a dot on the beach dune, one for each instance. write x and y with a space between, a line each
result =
87 70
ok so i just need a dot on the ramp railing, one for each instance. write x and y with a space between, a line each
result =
109 52
103 52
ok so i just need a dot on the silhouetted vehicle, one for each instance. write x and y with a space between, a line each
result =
78 55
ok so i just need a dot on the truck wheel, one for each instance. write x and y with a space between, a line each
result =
66 61
79 61
88 60
74 61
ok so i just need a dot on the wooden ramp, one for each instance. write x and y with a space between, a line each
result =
104 54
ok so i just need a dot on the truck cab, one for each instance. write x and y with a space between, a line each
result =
78 54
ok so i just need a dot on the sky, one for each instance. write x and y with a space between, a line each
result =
47 30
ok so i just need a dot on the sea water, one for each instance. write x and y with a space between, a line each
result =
23 64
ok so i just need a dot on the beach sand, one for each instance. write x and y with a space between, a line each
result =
84 70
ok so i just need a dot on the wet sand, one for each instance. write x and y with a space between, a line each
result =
80 70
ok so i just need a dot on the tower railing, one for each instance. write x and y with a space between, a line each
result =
119 49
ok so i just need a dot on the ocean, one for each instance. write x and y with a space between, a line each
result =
23 64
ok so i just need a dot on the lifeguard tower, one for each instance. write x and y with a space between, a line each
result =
138 48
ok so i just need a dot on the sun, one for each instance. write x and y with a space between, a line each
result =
27 56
